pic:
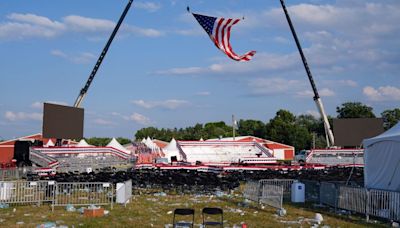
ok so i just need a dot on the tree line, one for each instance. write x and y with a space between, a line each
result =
299 131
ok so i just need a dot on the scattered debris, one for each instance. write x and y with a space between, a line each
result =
106 212
281 212
318 218
395 224
47 225
160 194
81 210
219 193
20 223
70 208
14 210
169 212
27 214
4 205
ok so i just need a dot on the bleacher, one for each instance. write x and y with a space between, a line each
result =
222 151
78 158
337 157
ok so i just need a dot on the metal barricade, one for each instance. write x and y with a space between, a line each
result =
26 192
285 183
328 194
83 194
385 204
272 195
353 199
311 190
7 174
252 191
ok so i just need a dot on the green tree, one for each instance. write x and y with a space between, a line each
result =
390 117
98 141
217 129
123 141
251 127
283 128
354 110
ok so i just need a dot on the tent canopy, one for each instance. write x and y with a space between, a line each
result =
382 160
393 134
115 144
83 143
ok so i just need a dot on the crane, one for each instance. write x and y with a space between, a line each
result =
317 99
84 90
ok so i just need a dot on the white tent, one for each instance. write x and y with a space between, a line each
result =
382 160
115 144
49 143
83 143
172 150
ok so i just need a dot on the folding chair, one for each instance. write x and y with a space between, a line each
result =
183 212
214 211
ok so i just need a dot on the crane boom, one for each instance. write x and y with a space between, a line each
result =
84 90
317 98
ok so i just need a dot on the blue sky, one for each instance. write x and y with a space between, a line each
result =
162 70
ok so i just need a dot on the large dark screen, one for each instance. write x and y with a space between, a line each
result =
62 122
351 132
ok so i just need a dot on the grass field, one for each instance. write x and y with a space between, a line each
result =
147 210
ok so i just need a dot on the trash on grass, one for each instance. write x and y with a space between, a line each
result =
47 225
70 208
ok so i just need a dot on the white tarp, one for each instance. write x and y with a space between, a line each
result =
172 150
382 160
115 144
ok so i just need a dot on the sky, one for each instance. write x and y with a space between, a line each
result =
162 70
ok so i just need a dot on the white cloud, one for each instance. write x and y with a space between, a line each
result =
147 32
149 6
21 116
182 71
203 93
35 20
260 62
350 83
324 92
168 104
101 121
383 93
282 40
86 24
81 58
23 26
140 119
314 113
120 115
37 105
266 86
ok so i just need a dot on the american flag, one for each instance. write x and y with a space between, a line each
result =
219 30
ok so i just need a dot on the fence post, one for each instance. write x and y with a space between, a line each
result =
112 196
367 207
54 196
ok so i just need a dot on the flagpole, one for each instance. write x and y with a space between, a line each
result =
233 126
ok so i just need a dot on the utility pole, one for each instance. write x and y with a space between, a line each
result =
233 126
